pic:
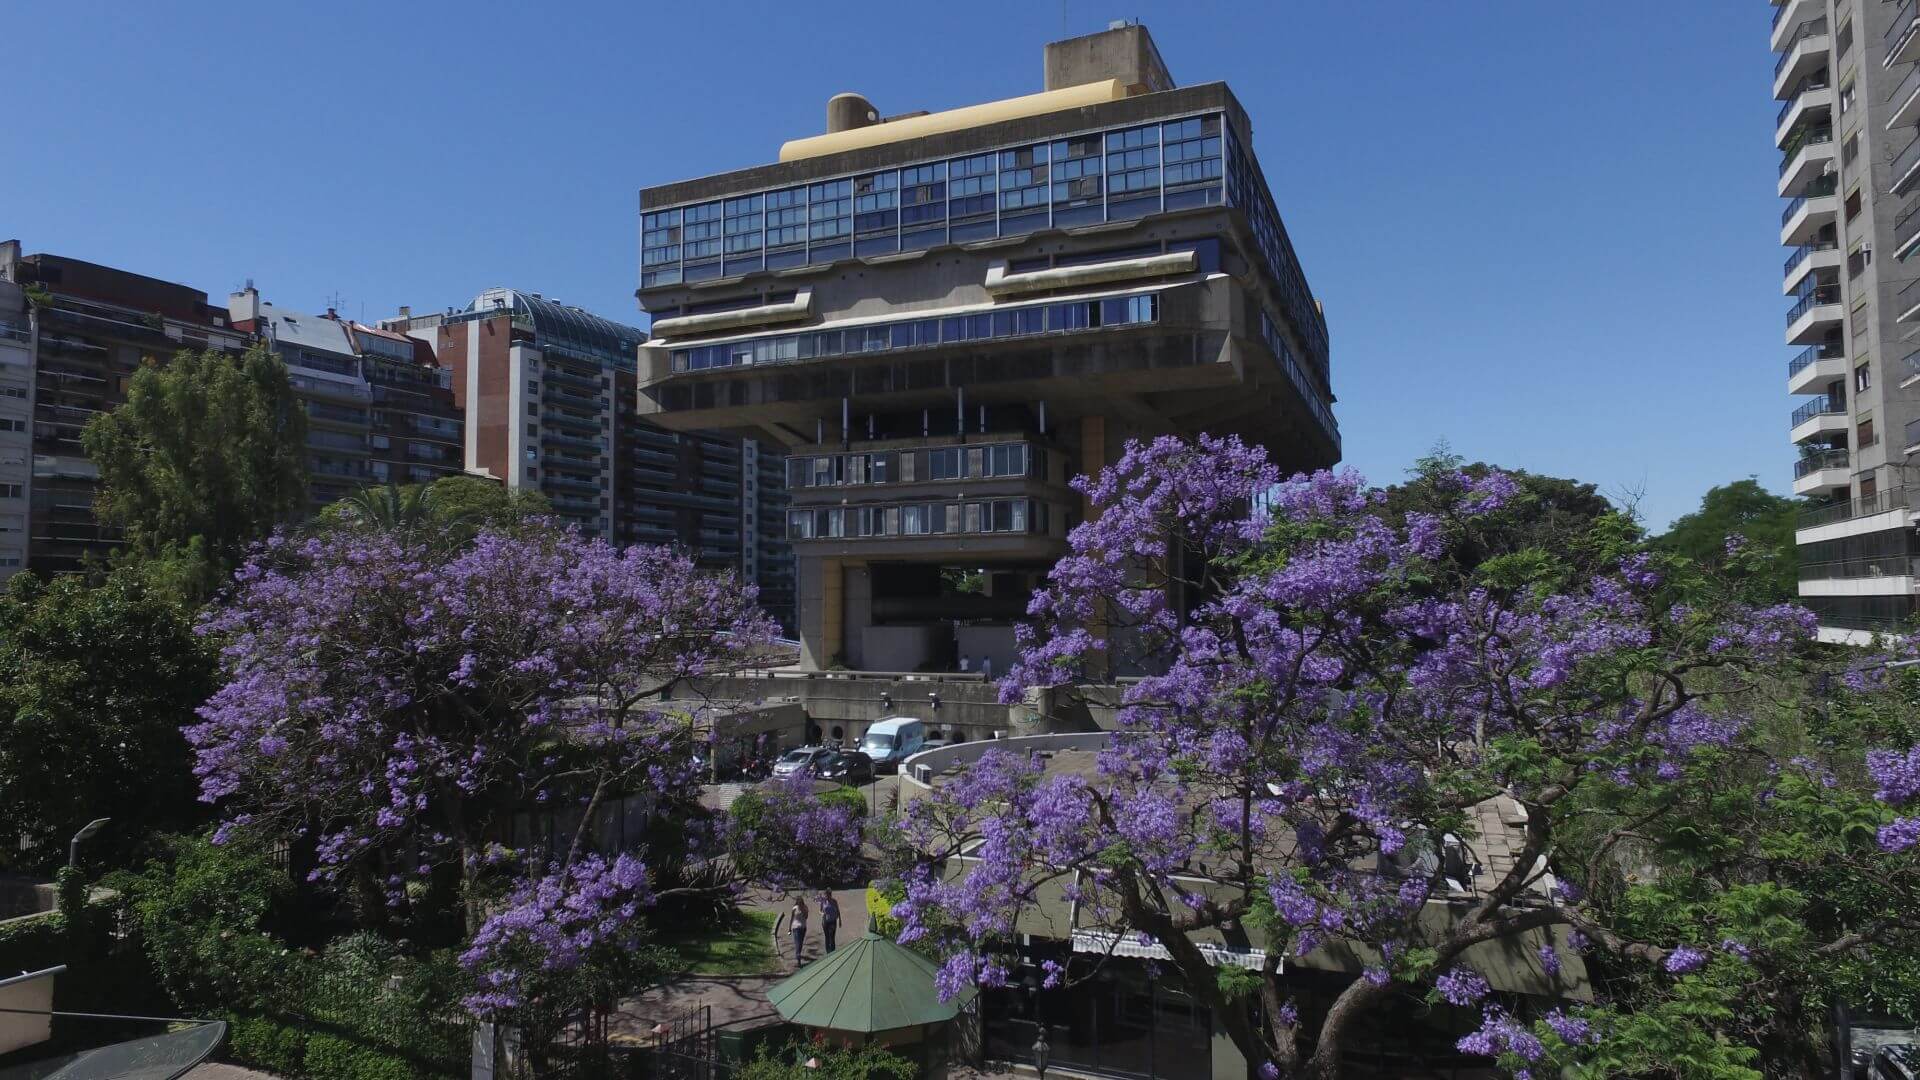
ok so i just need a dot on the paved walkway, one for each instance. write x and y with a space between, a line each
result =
734 999
220 1070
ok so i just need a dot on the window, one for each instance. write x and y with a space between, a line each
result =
1844 40
1846 98
1862 377
533 431
13 391
11 491
1850 149
1863 438
7 423
12 523
533 386
1853 205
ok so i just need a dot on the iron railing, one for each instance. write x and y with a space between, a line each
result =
1819 296
1806 86
1901 28
1807 30
1819 189
1804 251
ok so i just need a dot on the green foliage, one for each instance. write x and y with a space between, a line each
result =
835 1063
266 1044
1742 508
450 510
330 1057
206 446
95 683
202 912
1555 531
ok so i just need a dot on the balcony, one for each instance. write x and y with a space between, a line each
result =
558 438
346 391
1803 218
555 392
572 483
1788 17
1802 52
1906 168
1880 502
1815 368
1817 254
1817 312
571 420
1902 34
1907 302
1813 100
1822 472
1818 418
564 377
1805 160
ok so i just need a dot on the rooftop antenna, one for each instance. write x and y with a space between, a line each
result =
333 302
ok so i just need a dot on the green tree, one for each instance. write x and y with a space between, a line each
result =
207 447
95 684
1745 509
1555 525
830 1063
450 510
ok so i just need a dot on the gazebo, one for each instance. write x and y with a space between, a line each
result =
871 991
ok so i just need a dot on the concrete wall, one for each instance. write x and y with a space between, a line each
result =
897 648
968 706
917 773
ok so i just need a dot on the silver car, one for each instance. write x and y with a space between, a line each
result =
803 760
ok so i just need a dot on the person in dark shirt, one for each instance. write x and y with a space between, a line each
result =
829 919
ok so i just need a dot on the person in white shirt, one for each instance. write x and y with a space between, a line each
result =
965 663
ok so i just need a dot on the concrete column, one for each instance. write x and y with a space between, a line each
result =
1093 458
832 599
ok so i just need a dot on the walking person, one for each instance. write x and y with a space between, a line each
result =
829 920
795 918
965 663
986 668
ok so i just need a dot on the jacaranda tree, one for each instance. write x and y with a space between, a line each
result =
417 713
1330 692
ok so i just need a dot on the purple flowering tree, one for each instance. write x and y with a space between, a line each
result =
1334 715
398 704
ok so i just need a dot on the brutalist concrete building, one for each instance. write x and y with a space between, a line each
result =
940 318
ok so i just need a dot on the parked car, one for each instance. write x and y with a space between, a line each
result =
893 740
847 767
803 760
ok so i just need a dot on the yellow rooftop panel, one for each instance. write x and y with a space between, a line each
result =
1049 101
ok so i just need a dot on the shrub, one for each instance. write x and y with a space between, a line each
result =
266 1044
330 1057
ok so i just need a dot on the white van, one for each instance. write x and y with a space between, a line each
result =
892 740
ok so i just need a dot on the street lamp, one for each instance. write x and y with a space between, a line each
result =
86 833
1041 1051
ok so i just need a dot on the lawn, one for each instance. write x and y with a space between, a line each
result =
741 945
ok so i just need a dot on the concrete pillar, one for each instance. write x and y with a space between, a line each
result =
856 607
1093 458
832 611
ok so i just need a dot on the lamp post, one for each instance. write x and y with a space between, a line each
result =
86 833
1041 1051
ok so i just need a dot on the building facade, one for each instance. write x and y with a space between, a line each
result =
941 318
90 328
416 434
550 404
1848 131
324 369
16 426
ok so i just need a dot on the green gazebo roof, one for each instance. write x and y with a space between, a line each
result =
870 985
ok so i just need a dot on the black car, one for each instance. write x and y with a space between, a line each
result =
846 767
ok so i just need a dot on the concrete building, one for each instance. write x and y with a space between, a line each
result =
550 403
324 368
16 426
90 328
1848 131
416 434
941 318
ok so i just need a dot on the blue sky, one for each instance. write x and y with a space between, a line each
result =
1544 232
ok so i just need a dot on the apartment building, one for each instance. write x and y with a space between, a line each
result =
416 433
324 369
1848 131
16 426
941 318
90 328
550 404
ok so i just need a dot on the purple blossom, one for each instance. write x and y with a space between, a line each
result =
1461 987
1684 959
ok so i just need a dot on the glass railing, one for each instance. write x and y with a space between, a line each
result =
1819 189
1907 88
1817 407
1903 166
1804 251
1815 353
1900 29
1806 86
1825 294
1780 13
1846 509
1825 459
1872 566
15 331
1817 26
1790 152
